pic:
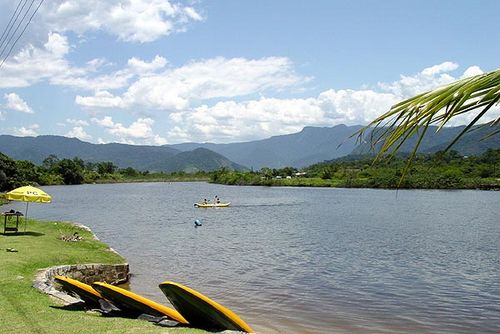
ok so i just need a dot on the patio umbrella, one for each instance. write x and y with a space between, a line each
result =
28 194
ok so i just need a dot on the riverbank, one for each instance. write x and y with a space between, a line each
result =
393 183
118 178
25 309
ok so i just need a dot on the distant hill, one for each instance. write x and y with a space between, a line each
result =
153 158
301 149
470 144
311 145
195 160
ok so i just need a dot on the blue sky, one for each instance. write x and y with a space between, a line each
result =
163 72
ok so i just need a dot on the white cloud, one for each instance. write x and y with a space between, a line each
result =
158 140
32 65
77 122
447 66
96 63
139 132
129 20
429 78
101 99
472 71
178 89
78 132
14 102
192 13
232 121
141 67
30 130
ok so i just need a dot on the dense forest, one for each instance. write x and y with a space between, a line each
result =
15 173
440 170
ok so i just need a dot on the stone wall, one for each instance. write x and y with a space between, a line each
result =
86 273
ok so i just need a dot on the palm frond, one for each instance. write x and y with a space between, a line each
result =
436 107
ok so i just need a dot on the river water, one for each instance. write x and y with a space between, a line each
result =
307 260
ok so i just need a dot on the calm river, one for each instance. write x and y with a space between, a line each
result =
307 260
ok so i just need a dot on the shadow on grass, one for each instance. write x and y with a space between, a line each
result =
78 306
28 233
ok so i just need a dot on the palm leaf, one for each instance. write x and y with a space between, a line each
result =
436 107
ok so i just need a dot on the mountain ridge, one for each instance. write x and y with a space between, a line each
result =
141 157
301 149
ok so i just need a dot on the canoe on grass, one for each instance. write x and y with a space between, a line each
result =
211 205
125 299
84 291
201 311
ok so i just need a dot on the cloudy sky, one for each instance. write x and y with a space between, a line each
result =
163 72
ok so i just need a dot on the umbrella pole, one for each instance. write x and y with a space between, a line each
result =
26 217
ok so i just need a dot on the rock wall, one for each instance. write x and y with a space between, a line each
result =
86 273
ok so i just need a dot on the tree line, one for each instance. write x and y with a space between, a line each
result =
441 170
54 171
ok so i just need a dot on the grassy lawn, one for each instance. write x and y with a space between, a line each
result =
24 309
2 199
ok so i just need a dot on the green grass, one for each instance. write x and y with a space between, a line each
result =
2 199
24 309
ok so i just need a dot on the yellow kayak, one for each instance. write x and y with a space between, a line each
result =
132 301
201 311
211 205
84 291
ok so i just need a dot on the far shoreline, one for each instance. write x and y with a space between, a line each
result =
301 183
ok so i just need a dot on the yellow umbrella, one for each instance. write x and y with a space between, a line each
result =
28 194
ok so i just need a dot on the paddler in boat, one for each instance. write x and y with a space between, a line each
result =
205 201
217 199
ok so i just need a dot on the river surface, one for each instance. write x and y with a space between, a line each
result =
306 260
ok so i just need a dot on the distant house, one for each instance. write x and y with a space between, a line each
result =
300 174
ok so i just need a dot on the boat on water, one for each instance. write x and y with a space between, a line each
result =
211 205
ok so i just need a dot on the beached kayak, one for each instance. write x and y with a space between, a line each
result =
81 290
201 311
211 205
125 299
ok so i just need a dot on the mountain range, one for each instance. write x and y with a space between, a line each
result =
473 142
153 158
301 149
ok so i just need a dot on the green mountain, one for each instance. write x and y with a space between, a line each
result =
311 145
301 149
472 143
196 160
317 144
153 158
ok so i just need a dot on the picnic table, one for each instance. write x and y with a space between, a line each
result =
8 225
